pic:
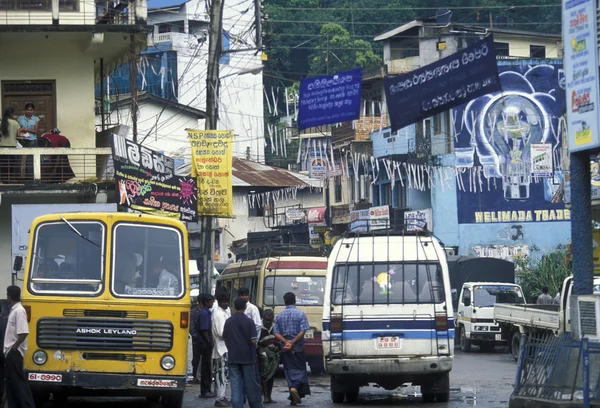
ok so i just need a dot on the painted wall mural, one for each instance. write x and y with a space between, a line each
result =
508 147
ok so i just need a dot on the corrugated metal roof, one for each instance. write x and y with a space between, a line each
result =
251 174
260 175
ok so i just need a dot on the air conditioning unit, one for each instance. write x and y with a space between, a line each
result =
450 251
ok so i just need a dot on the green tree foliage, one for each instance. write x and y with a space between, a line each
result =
538 270
337 51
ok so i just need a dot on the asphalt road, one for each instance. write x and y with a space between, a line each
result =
478 378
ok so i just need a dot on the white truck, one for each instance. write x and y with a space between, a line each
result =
536 319
475 313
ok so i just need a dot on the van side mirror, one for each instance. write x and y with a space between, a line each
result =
467 301
18 264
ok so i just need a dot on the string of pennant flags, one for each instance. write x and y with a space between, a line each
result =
261 200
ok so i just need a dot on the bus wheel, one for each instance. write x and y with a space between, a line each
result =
337 397
40 398
316 365
172 400
59 397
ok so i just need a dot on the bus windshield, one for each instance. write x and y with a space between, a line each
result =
147 262
308 290
383 283
489 295
65 262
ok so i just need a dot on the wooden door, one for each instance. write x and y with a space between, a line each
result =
17 94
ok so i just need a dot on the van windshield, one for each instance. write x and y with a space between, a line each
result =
383 283
489 295
66 262
309 290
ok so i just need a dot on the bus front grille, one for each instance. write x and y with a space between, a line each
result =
140 358
130 314
104 334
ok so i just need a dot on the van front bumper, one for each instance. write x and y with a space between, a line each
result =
399 365
104 381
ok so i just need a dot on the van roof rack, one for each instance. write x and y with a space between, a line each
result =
406 229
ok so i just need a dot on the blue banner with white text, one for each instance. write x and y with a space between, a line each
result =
442 85
330 99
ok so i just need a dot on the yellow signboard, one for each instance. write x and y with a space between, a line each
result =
211 164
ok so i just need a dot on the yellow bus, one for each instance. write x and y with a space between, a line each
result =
268 279
107 296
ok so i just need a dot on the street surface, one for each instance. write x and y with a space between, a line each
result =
478 378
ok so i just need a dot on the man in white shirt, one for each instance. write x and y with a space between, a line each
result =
18 393
219 355
251 310
163 278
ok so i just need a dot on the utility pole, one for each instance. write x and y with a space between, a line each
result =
215 48
133 86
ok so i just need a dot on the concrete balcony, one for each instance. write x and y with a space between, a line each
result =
72 12
55 165
404 65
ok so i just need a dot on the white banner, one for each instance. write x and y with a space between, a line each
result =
541 160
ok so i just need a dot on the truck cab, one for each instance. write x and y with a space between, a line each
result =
475 313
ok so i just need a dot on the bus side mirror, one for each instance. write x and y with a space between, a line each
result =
17 264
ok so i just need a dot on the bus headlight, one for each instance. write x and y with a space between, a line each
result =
40 357
167 363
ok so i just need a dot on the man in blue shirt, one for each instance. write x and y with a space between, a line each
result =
205 345
239 334
290 326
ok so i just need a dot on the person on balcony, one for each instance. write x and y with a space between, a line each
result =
29 126
55 168
8 138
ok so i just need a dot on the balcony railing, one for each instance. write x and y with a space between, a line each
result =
345 133
68 12
55 165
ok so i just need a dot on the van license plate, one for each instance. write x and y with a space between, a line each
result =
45 377
309 334
388 343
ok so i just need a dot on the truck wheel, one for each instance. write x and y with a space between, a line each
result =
428 397
352 397
515 345
172 400
465 344
486 347
337 397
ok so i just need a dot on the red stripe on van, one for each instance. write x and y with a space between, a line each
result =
297 265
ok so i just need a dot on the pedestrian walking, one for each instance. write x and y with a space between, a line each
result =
253 313
269 352
239 334
219 355
290 326
205 345
545 298
18 394
195 335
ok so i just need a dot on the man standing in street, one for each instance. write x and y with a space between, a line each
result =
290 326
545 298
239 335
195 335
18 394
205 345
219 354
251 310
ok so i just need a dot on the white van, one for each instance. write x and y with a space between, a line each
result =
387 315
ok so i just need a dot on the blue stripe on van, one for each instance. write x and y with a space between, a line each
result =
409 334
388 324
